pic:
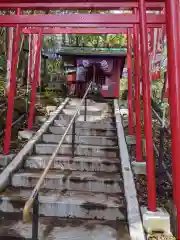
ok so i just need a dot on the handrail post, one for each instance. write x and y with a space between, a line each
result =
85 108
73 137
35 218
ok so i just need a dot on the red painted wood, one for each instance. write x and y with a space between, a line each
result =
173 52
91 25
12 89
6 20
30 60
79 5
130 93
48 31
139 157
150 163
35 82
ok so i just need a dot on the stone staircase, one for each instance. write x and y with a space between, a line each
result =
84 202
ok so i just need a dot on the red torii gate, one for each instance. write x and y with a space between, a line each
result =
139 22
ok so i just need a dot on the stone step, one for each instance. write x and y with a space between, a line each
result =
86 140
63 229
91 109
84 131
105 118
71 112
77 101
83 124
79 150
75 164
54 203
71 180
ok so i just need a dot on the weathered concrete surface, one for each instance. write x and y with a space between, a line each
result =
63 229
71 112
139 168
133 213
77 101
130 140
105 117
158 221
91 140
27 149
40 119
70 180
80 150
50 109
103 124
67 204
87 187
98 107
124 112
123 104
84 131
6 159
75 164
26 134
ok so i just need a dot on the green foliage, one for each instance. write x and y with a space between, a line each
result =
1 88
54 66
95 41
156 89
48 93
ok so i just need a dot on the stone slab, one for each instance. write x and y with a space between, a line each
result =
63 229
40 119
139 168
50 109
84 131
54 203
26 134
82 124
85 140
70 180
105 117
158 221
130 140
80 150
75 164
6 159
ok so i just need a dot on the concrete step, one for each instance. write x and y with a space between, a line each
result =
75 164
54 203
77 101
63 229
71 180
105 118
91 109
86 140
83 124
79 150
84 131
71 112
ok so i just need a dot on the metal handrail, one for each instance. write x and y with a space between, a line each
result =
30 201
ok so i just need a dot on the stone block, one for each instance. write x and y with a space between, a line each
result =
139 168
158 221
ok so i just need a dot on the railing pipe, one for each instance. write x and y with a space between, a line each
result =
35 221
